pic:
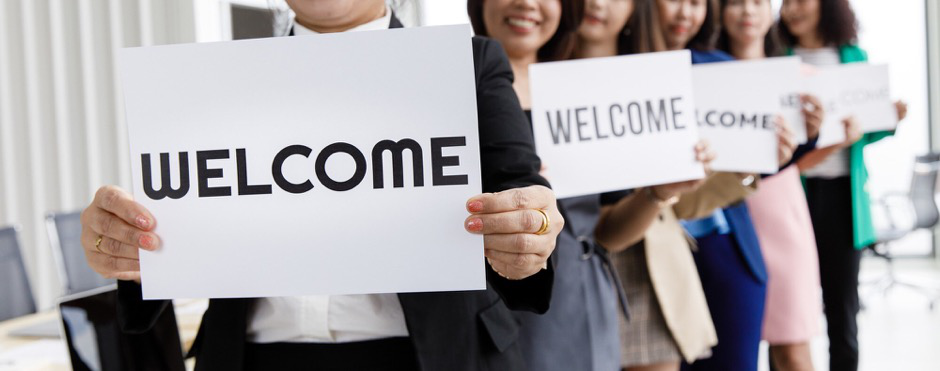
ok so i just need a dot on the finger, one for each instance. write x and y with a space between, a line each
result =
519 221
110 246
108 225
107 265
519 243
523 264
126 276
532 197
118 202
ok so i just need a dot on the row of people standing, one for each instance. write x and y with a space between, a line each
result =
611 282
753 270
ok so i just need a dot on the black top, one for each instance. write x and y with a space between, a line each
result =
467 330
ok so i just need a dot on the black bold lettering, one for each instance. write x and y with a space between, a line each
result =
597 127
675 113
166 189
348 149
397 150
277 170
581 124
657 119
243 187
613 127
439 161
204 173
631 108
560 127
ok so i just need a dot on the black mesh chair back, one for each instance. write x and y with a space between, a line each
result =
16 297
923 189
65 232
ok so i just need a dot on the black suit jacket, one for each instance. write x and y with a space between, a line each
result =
467 330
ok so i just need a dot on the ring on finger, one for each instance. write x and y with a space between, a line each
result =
546 223
98 243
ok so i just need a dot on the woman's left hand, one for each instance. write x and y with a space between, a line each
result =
516 238
785 143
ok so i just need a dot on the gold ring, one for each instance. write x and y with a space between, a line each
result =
98 244
546 223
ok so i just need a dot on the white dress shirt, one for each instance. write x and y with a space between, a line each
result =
837 164
328 319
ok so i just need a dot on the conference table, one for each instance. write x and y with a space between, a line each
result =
51 354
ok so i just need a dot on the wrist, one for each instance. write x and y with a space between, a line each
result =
654 196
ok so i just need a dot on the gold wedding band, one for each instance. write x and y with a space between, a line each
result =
546 223
98 244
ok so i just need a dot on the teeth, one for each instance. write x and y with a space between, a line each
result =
519 22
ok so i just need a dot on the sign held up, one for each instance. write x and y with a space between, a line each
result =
606 124
268 178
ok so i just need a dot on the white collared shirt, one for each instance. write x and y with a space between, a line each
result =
328 319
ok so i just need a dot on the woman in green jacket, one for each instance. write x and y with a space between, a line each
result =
825 32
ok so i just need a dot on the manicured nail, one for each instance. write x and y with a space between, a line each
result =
143 222
475 206
475 225
146 241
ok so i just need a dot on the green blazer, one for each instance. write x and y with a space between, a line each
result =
861 203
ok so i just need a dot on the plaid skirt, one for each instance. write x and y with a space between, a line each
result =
644 338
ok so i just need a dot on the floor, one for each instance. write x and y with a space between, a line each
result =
897 329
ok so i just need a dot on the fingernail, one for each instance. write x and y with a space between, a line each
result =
475 206
475 225
143 222
146 241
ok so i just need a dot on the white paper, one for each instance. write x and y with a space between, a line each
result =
857 89
265 95
592 158
737 103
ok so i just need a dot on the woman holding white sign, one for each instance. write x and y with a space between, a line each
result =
729 258
472 330
825 33
778 208
669 317
579 332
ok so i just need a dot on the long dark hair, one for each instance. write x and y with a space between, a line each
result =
560 46
773 47
707 35
642 33
837 25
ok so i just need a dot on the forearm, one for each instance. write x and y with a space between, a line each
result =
719 190
816 157
624 223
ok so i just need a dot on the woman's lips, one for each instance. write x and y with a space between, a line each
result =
521 25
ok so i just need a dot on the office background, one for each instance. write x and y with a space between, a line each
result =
62 124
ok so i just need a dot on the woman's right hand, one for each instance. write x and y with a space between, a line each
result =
114 227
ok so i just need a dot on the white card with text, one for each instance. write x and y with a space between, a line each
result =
606 124
302 166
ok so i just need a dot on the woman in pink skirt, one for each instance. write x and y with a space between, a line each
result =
779 210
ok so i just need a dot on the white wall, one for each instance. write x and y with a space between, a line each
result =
61 120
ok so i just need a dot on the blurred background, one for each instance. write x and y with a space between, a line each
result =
62 135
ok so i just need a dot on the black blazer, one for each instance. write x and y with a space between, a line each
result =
467 330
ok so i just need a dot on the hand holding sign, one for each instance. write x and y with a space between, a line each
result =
813 114
785 142
114 227
510 222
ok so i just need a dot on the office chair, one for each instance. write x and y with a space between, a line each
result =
918 204
65 230
16 297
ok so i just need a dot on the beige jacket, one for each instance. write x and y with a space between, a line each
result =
672 269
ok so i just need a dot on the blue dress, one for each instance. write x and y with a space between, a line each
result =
734 278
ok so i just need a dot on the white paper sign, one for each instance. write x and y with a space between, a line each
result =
285 193
857 89
605 124
737 103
